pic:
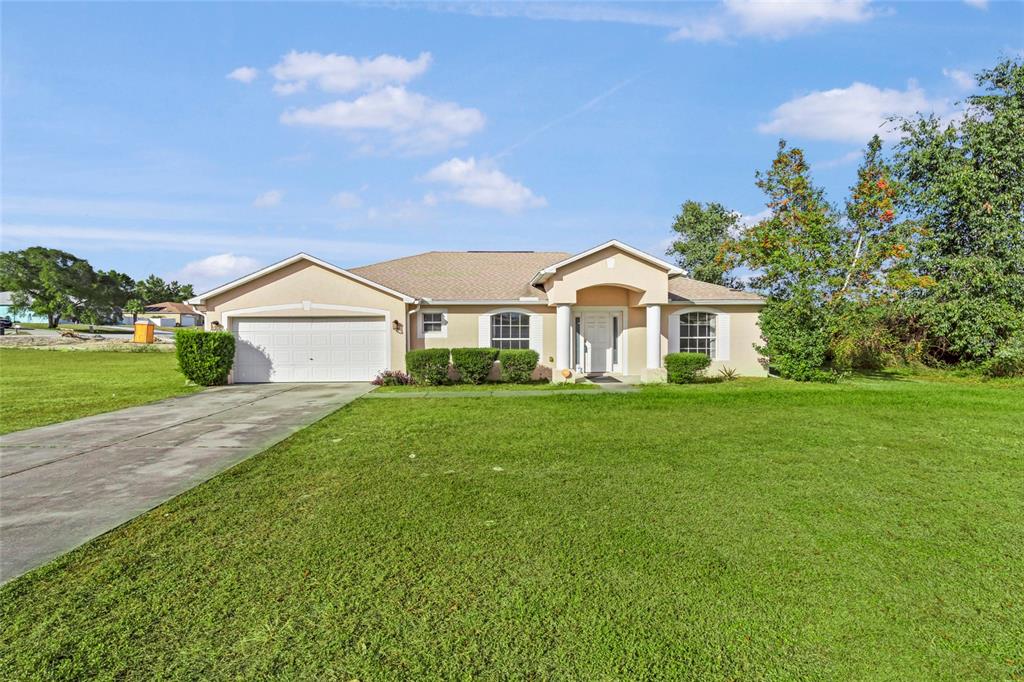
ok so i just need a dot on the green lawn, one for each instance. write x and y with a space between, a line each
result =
40 387
741 530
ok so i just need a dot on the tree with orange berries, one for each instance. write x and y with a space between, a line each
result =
797 253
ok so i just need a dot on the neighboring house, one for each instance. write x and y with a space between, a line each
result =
24 316
611 309
175 314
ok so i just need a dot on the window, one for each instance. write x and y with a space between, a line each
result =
433 322
510 331
697 333
615 340
581 349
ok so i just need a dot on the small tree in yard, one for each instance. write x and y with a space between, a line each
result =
134 306
796 251
702 234
205 358
871 326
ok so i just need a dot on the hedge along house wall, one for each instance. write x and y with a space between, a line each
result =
473 365
463 330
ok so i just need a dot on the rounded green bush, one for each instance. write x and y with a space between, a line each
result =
473 364
205 358
517 365
428 365
683 368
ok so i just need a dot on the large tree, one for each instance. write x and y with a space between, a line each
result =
110 294
153 289
799 256
966 191
702 232
46 281
61 285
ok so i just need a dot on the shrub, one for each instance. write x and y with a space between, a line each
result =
869 338
428 366
683 368
205 358
1008 360
392 377
473 364
796 340
517 365
728 373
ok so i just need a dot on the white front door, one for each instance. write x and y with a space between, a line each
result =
597 335
309 349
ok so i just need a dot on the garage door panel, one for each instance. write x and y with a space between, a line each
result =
309 349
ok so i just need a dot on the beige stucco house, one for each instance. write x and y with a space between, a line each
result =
612 309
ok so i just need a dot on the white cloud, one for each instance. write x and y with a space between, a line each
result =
347 200
268 199
847 158
749 220
977 4
960 78
782 18
482 184
244 74
415 122
342 73
217 269
728 20
851 114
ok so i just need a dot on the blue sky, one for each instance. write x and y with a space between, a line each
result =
200 141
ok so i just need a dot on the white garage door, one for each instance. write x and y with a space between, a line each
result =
309 349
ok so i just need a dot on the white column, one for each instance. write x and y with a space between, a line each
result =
653 336
563 339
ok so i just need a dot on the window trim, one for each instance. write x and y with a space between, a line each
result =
490 328
422 333
710 339
675 342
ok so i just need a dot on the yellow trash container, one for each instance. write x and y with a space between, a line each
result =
143 332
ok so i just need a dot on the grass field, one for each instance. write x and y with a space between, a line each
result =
40 387
741 530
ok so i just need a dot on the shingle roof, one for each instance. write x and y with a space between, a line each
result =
172 307
686 289
463 275
502 276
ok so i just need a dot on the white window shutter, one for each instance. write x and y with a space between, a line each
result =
419 325
537 334
673 333
484 332
722 337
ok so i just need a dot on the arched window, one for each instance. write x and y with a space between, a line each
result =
510 331
697 333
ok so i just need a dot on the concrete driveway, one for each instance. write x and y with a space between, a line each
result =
64 484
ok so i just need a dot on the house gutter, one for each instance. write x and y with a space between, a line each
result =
408 324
